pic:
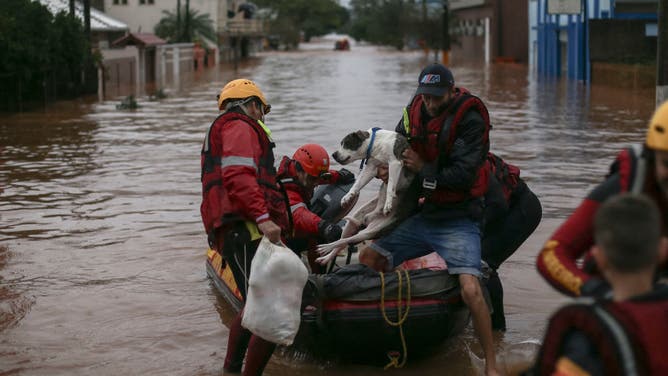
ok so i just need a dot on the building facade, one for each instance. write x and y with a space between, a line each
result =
587 40
490 30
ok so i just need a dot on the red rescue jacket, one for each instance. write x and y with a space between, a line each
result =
629 337
304 222
557 262
434 140
238 174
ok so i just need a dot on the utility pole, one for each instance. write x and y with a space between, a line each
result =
186 23
177 34
662 53
72 8
86 9
445 58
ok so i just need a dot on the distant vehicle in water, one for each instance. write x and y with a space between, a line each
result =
342 45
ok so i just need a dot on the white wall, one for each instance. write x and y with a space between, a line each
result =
145 17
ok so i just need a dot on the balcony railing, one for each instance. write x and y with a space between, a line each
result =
244 27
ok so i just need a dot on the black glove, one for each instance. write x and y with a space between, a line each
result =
345 177
328 231
596 288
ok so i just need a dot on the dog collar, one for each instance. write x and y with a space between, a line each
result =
368 149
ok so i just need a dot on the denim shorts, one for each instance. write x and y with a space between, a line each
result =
457 241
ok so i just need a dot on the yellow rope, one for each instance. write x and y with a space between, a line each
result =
401 318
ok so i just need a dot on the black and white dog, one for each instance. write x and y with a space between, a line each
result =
374 147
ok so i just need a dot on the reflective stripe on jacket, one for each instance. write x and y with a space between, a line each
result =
557 262
238 174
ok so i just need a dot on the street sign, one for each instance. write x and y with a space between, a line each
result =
564 6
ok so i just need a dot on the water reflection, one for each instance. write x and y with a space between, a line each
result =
100 209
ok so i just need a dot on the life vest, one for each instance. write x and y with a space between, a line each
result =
631 165
287 178
636 175
508 175
434 140
630 336
217 210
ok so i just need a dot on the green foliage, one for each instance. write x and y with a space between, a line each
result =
128 103
394 22
289 18
40 52
200 24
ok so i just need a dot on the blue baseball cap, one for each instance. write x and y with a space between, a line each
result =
435 79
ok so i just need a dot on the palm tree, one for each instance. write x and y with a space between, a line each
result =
171 26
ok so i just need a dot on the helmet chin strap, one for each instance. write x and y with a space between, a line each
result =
242 105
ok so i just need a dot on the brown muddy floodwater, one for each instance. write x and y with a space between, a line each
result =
102 254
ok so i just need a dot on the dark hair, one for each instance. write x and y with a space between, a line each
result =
628 229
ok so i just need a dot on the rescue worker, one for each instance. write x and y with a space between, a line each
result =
627 334
241 201
298 176
448 131
512 213
638 170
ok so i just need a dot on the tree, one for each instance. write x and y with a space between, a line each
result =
394 22
382 21
171 26
290 18
41 53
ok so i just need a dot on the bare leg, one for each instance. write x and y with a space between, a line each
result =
472 295
373 259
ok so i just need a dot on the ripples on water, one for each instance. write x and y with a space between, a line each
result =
101 248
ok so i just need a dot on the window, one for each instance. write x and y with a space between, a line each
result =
122 2
144 2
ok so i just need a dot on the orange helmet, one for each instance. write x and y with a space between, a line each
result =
312 158
240 89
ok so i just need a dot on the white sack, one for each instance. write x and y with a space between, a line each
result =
277 280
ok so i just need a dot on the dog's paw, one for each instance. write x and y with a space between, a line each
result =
326 259
324 249
387 209
348 198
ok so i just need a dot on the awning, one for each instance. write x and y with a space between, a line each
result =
139 39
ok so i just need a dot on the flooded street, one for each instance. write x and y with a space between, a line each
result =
102 252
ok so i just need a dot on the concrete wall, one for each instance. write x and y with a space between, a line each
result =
121 72
508 30
513 30
621 41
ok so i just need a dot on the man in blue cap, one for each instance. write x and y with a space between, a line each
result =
448 131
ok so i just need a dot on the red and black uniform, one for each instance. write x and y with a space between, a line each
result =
239 190
304 222
454 147
307 226
633 171
608 338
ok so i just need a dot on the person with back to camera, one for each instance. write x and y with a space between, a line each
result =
448 131
298 176
512 213
624 335
641 169
241 201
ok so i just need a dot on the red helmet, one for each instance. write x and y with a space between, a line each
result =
313 159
